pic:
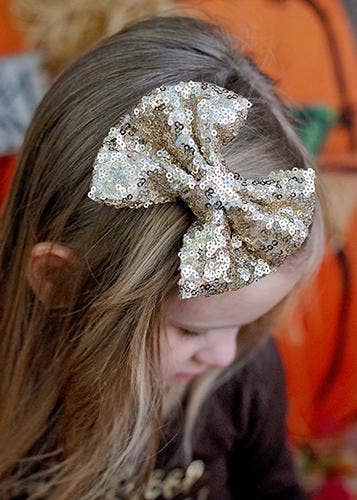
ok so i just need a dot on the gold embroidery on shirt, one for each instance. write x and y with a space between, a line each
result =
193 473
176 481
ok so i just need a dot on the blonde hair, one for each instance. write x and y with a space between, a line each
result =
81 400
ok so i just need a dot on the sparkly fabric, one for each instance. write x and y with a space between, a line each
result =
170 146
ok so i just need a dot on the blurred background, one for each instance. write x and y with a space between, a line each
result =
309 48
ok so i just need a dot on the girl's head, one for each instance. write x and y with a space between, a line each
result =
202 332
91 323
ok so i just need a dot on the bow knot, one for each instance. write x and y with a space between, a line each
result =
169 146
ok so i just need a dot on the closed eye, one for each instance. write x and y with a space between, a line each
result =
190 333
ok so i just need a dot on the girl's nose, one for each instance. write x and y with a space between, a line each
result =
219 352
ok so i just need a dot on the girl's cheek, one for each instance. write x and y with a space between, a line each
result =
177 348
182 350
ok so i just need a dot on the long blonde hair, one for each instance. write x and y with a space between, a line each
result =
81 401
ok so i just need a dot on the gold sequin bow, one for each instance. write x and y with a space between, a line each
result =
169 146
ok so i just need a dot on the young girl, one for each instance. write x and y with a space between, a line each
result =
136 308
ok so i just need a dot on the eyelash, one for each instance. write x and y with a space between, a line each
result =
189 333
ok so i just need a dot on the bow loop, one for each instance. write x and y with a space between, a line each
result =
173 127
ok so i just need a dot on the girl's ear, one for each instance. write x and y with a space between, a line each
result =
50 271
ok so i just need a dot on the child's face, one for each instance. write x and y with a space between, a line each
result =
215 322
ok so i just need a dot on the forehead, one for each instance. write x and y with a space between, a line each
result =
231 309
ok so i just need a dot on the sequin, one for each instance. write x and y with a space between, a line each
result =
169 146
175 483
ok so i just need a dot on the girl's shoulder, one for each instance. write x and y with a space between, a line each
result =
242 437
252 383
253 394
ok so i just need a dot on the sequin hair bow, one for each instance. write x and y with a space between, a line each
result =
169 146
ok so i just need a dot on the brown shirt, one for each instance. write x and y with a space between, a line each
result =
240 442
